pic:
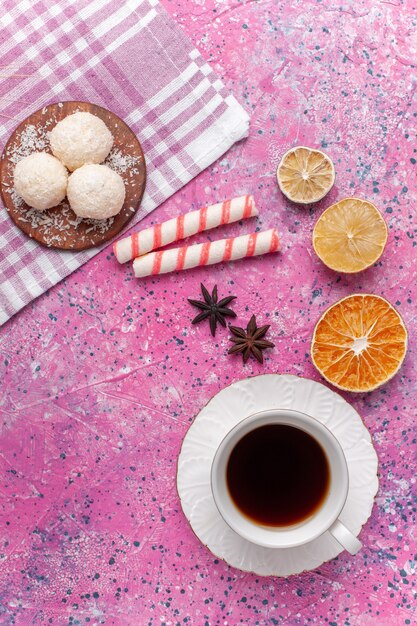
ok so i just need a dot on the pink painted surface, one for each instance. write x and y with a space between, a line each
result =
102 376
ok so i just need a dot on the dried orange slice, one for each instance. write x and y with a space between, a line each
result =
350 235
359 343
305 175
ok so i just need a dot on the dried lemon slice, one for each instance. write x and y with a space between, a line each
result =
350 235
305 175
359 343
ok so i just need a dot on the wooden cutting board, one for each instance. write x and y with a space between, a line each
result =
59 227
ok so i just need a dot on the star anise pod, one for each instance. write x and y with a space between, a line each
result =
250 341
211 308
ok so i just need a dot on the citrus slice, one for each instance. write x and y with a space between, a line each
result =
350 235
359 343
305 175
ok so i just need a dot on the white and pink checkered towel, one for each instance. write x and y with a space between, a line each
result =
131 58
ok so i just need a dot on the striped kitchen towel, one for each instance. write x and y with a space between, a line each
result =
131 58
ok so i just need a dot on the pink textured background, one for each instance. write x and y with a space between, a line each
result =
102 376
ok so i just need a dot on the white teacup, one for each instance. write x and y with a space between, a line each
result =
324 519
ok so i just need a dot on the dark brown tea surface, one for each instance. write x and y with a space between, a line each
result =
278 475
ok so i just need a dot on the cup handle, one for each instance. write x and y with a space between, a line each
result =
345 537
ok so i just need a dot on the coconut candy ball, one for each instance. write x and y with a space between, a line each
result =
80 138
41 180
95 191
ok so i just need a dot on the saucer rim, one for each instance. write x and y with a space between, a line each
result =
372 487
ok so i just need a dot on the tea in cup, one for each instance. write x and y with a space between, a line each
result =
280 479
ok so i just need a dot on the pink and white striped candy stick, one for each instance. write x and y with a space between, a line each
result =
206 253
183 226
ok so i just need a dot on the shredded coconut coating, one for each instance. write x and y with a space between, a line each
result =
80 138
41 180
95 191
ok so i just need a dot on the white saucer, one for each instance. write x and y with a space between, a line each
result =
222 413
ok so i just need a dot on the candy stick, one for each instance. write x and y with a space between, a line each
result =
208 253
183 226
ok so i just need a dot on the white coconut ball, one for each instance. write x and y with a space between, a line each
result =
95 191
80 138
41 180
